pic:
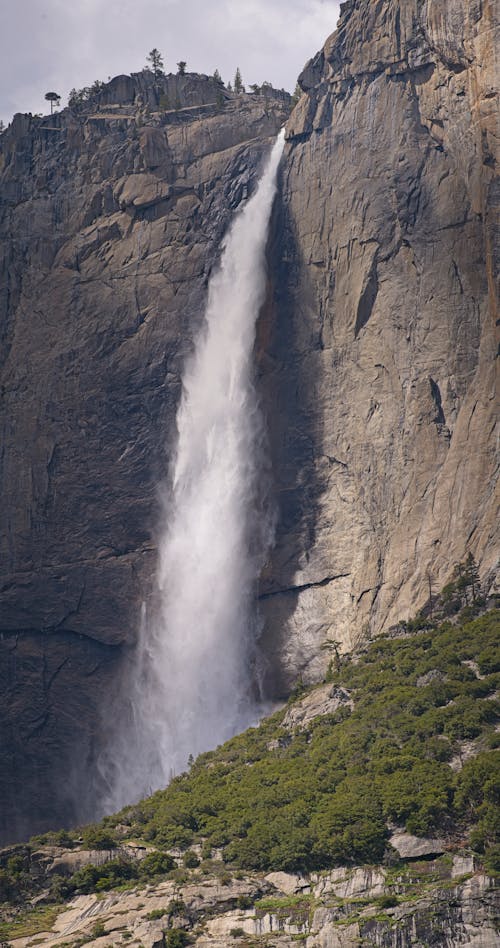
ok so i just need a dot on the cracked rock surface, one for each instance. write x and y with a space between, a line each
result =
336 909
381 316
114 216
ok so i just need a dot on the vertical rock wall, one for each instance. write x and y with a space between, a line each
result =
112 216
380 364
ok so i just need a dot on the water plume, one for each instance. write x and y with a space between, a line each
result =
194 676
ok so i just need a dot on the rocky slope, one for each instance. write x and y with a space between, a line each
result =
114 214
186 866
438 903
379 346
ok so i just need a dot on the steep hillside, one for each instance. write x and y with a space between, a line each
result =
380 347
364 812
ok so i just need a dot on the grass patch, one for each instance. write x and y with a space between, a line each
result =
31 922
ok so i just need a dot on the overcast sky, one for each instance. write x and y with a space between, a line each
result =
55 45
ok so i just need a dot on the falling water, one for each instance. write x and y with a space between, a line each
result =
195 670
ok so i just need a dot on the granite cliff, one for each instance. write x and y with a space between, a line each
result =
114 214
375 356
380 344
442 903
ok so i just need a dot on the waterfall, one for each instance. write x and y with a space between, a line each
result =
194 674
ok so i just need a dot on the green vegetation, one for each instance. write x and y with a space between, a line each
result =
464 588
461 595
238 83
65 838
190 859
271 799
155 914
155 62
297 94
115 872
54 98
97 837
176 938
325 797
80 97
31 922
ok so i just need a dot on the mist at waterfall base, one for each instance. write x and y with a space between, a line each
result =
193 679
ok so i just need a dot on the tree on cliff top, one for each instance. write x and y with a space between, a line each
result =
156 62
181 68
238 84
54 98
297 94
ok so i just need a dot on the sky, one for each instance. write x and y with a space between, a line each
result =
57 45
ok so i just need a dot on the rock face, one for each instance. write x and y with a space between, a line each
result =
339 909
114 215
380 326
375 354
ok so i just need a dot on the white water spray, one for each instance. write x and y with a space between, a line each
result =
194 679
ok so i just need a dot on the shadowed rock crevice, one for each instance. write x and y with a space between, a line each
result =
288 402
367 299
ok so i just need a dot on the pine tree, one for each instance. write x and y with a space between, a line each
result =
181 68
297 94
238 84
156 60
471 576
217 76
54 98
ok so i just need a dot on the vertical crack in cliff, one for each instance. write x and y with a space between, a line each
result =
367 298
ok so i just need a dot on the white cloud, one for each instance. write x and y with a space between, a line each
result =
55 45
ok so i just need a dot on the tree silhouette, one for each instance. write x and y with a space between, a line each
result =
156 60
53 98
238 84
297 94
181 68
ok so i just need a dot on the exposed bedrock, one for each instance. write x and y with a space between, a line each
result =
114 216
380 347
